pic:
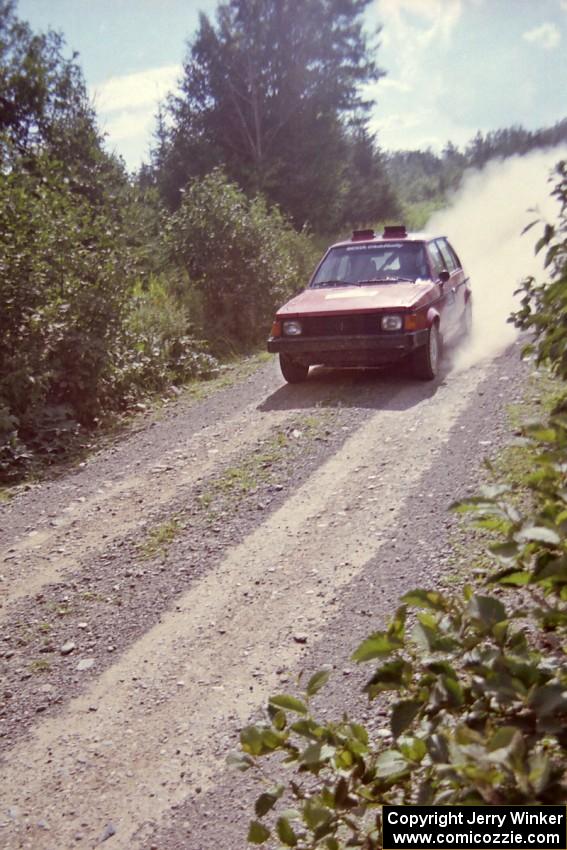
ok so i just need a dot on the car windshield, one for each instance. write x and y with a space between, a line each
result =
386 262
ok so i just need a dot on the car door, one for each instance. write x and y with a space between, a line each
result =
447 305
456 283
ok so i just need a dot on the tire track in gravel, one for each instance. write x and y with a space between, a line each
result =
114 595
95 763
142 474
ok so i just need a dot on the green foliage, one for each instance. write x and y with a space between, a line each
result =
475 683
544 307
43 99
159 346
243 259
63 285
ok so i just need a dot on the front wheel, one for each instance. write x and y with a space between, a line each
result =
293 371
425 359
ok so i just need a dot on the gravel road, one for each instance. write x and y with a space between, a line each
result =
153 599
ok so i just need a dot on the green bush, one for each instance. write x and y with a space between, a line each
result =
159 346
64 284
241 257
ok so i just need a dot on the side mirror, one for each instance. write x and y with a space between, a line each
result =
444 276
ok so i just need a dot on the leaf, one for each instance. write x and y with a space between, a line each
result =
378 645
530 225
240 761
425 599
285 832
403 715
488 610
396 627
251 740
317 681
289 703
413 749
267 801
257 833
390 763
540 772
549 700
272 740
539 533
438 749
341 793
314 814
393 675
505 551
317 753
548 233
279 720
429 637
360 733
307 728
515 578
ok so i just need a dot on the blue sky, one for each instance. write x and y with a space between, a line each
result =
453 66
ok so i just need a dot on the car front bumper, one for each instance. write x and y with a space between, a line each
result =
377 349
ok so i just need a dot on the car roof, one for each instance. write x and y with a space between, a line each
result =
380 239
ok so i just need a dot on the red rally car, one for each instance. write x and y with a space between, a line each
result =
376 300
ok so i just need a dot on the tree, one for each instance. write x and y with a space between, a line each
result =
369 196
243 259
267 93
43 99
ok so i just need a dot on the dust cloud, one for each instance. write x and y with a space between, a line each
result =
484 222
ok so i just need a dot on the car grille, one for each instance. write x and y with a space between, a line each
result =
365 323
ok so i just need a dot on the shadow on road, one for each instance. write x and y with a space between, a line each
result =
393 388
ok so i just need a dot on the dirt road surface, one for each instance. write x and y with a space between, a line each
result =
154 598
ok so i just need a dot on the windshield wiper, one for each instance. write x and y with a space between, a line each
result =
334 283
386 280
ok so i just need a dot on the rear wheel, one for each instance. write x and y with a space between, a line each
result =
425 359
293 371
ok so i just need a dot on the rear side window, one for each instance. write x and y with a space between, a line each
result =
437 261
453 254
448 259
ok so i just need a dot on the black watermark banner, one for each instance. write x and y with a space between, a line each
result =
469 827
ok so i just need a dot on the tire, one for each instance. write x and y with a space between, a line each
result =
293 372
425 360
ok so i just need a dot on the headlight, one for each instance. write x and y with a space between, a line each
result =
292 328
391 323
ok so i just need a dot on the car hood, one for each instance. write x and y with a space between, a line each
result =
360 299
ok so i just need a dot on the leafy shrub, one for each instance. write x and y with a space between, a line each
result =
158 345
475 684
544 307
242 258
64 282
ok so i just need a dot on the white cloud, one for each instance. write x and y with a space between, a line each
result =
547 36
395 85
127 106
405 19
128 124
142 89
411 29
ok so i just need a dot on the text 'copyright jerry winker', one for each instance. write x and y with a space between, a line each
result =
467 827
